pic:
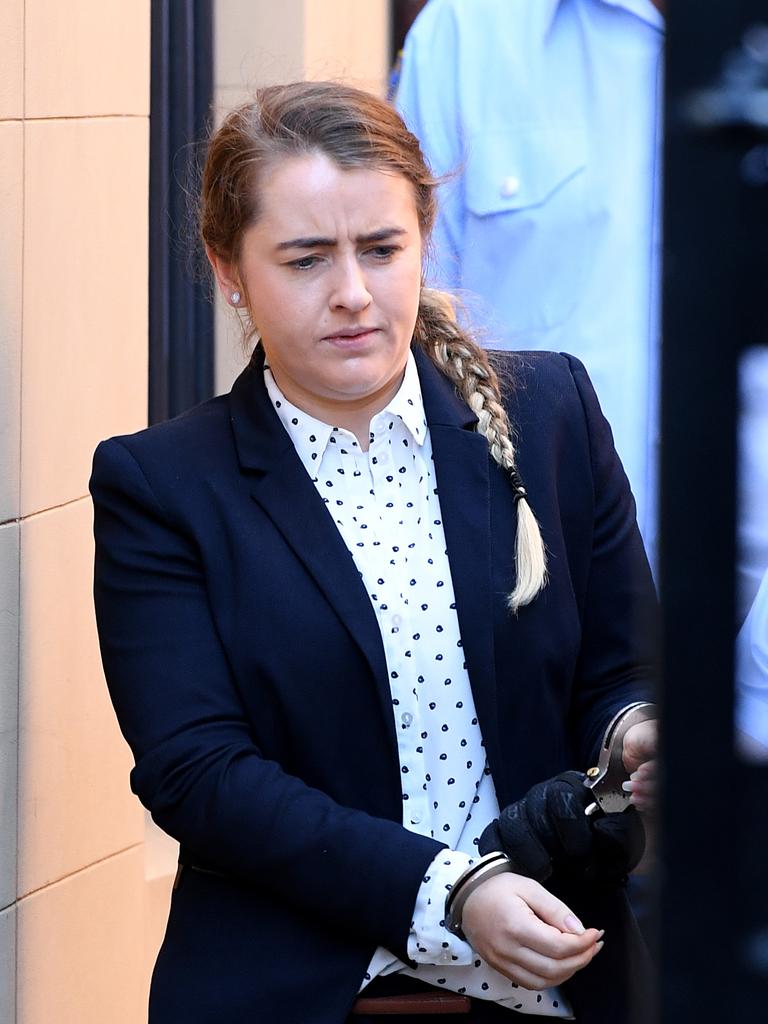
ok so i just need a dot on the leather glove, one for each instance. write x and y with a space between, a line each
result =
547 833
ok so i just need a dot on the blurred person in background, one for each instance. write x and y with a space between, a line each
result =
752 567
752 514
752 679
546 119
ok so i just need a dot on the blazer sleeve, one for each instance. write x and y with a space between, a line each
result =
617 660
197 768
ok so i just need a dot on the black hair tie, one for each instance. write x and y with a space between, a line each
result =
517 484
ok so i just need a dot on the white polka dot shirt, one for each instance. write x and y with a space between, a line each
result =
385 504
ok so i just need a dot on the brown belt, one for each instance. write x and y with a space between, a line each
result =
415 1003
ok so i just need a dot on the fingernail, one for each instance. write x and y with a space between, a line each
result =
627 787
601 933
599 946
573 924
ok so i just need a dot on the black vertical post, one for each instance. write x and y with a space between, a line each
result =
714 855
180 312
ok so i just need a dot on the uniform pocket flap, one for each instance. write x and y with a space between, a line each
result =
512 169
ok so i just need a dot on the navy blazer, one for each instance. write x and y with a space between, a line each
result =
247 671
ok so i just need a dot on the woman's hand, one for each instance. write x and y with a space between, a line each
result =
547 835
639 756
526 933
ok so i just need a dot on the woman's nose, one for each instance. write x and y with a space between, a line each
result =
350 289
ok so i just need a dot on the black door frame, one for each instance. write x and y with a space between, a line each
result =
181 330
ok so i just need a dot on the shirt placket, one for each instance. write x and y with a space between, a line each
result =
393 611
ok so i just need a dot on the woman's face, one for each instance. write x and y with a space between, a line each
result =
331 273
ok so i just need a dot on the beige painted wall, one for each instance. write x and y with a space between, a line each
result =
260 42
74 106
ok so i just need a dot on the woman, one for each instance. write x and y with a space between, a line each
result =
326 618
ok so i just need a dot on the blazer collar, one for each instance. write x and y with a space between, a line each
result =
441 403
261 440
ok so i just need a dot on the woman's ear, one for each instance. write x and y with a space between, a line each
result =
226 277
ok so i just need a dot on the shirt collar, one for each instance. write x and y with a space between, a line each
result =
311 436
406 405
643 9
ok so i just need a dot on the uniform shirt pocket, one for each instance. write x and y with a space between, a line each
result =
526 224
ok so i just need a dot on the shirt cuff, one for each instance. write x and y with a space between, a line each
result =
430 942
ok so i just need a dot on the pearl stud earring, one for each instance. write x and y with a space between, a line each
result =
235 298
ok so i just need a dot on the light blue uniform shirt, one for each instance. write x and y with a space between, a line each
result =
752 669
547 114
752 533
752 516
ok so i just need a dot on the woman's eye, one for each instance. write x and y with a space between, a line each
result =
383 252
304 262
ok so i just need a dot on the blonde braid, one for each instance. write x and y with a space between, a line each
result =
467 366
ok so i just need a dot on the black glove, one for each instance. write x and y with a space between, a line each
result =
548 834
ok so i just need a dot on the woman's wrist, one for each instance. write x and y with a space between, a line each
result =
486 867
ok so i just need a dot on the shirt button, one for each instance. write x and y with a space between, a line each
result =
510 186
397 620
415 818
406 718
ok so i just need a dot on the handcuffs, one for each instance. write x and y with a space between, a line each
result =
605 781
607 778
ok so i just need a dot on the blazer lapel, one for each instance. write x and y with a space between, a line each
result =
462 469
283 489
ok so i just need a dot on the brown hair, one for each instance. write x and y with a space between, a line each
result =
351 127
356 129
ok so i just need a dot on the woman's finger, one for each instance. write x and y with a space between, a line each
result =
552 971
647 771
529 932
640 744
506 914
642 786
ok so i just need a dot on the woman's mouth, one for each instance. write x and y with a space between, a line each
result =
351 337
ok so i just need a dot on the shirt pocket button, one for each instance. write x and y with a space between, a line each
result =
510 186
